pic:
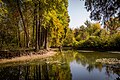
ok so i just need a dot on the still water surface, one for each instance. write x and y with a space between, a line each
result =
69 65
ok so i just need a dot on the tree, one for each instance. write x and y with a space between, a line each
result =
113 25
103 9
87 23
69 39
3 10
34 26
24 25
8 32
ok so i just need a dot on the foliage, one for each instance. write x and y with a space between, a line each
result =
97 38
45 24
69 39
112 25
108 12
103 9
26 26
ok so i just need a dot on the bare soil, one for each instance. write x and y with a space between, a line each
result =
29 57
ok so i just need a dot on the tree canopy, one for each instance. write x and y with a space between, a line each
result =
33 23
103 9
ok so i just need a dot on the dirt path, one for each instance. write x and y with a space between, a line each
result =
28 58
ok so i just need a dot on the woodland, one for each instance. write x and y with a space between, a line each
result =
42 24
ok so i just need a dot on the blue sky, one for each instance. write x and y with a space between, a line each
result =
77 12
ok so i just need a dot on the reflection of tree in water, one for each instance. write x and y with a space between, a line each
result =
90 68
80 59
86 62
113 69
39 71
60 72
99 66
59 68
89 62
36 72
9 73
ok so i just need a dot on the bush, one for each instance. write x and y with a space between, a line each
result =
97 43
114 42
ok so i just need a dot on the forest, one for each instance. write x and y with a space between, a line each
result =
38 43
41 24
36 24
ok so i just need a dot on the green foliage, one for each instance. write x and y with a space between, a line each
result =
112 25
24 26
69 39
47 21
3 10
98 43
103 9
93 37
114 42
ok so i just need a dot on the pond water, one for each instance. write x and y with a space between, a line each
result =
68 65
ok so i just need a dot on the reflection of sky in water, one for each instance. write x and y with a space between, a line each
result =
79 72
65 66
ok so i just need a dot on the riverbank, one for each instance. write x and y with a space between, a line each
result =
29 57
90 51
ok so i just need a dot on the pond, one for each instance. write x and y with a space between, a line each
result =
68 65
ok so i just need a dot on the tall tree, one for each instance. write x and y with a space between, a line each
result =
34 26
25 29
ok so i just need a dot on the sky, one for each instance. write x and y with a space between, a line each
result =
77 12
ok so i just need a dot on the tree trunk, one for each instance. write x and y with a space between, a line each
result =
24 39
42 36
36 43
19 43
25 30
46 39
33 30
39 28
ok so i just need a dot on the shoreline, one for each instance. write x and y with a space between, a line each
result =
28 57
85 51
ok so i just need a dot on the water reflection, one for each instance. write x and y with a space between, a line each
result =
92 70
35 72
65 66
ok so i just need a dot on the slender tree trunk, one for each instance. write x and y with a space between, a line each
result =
46 39
24 39
42 36
39 28
33 30
25 30
36 43
19 43
39 35
28 41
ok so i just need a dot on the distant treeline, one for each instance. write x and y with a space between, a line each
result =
93 37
